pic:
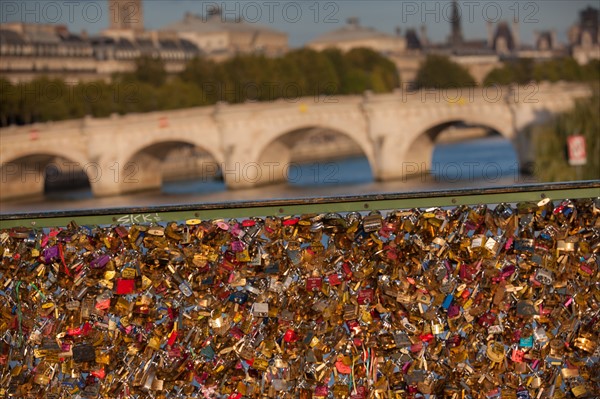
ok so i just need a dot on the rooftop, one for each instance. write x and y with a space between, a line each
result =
215 23
350 32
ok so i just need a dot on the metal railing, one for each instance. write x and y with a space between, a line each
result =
442 198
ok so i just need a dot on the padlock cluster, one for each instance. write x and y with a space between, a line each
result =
470 302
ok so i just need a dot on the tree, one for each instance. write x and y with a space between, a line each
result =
208 76
9 102
525 70
316 74
100 99
143 97
519 71
591 71
558 69
245 77
285 74
303 72
551 138
148 70
45 99
188 95
502 76
363 69
439 72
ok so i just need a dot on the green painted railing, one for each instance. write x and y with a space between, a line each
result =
128 216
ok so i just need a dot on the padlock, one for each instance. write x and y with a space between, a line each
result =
372 222
584 342
84 353
495 352
260 309
410 296
579 391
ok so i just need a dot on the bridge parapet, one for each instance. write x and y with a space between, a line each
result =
391 129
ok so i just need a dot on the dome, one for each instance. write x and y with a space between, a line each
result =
353 31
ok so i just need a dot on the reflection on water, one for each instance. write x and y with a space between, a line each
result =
472 164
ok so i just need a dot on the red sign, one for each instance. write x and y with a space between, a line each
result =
163 122
577 153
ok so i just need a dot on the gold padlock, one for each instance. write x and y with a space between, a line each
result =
495 352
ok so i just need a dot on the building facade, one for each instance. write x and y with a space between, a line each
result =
220 37
31 50
28 51
353 35
584 37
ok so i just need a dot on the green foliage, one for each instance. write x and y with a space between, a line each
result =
558 69
591 71
525 70
42 99
551 143
363 69
302 72
9 102
148 70
315 73
101 99
515 71
187 95
439 72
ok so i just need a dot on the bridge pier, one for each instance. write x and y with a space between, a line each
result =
114 178
20 180
241 171
105 189
401 159
525 153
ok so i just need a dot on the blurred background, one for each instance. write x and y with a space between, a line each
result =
118 103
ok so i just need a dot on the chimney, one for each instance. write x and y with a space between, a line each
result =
516 35
352 21
554 44
398 31
490 33
61 30
424 40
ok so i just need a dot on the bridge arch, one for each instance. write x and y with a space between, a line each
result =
29 174
417 150
276 156
144 168
45 149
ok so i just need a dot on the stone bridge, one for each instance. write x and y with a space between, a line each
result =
252 142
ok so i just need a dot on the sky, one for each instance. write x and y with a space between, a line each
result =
304 20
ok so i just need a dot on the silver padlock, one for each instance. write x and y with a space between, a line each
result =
372 222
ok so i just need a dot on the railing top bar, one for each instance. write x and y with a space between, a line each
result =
571 190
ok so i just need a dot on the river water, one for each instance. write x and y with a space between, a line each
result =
477 163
